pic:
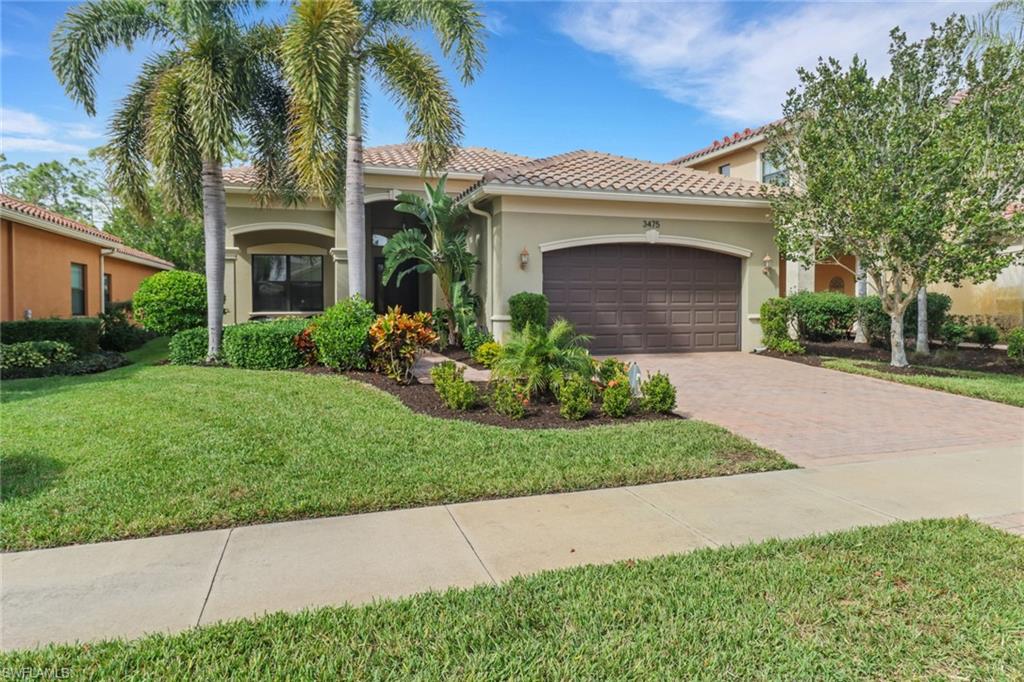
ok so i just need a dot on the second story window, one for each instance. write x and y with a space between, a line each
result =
725 169
771 174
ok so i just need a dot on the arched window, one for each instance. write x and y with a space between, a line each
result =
837 284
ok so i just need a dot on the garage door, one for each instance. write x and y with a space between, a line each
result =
644 298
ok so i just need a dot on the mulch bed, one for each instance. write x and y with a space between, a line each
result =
423 398
975 359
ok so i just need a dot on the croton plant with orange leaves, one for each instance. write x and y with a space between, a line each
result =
397 339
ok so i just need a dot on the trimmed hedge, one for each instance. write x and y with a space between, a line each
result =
170 302
938 311
776 314
263 345
528 308
188 347
342 334
823 316
875 321
1015 345
81 333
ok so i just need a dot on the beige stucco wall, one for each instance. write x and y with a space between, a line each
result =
526 223
743 162
1001 300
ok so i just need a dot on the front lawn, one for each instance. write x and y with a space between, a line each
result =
921 600
146 450
1001 388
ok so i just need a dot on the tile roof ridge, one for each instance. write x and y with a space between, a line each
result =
507 172
43 213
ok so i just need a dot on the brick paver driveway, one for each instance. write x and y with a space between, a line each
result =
817 416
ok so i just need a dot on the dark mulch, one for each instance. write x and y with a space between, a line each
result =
976 359
423 398
461 355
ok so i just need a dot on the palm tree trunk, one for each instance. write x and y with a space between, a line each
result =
355 217
214 223
922 322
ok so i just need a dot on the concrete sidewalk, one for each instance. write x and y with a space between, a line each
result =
171 583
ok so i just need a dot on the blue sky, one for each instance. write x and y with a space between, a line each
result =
645 79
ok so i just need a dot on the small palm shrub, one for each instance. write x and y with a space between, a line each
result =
541 359
488 353
657 394
953 334
341 334
574 398
985 335
397 339
188 347
170 302
526 308
1015 345
453 390
263 345
509 399
617 398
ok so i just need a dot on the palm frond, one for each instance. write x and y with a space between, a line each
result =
212 78
405 246
457 24
315 55
171 143
415 82
87 30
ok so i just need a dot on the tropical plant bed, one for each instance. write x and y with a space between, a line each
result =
976 359
461 355
540 414
918 600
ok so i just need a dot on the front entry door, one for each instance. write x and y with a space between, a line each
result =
407 295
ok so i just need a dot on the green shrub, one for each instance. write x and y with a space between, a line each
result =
953 334
776 314
474 337
453 390
788 347
35 354
617 398
1015 345
528 308
188 347
938 311
81 333
608 370
876 322
342 334
984 335
263 345
575 398
823 315
91 363
658 394
488 353
541 359
117 332
509 399
170 302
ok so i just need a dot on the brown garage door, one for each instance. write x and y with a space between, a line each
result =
645 298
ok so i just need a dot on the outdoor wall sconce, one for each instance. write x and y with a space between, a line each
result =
524 258
766 264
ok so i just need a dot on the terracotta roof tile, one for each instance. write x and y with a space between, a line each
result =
465 160
600 171
40 213
727 141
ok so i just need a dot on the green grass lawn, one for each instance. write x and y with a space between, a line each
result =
146 450
920 600
1000 388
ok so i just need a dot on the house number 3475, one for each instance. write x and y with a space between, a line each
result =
652 224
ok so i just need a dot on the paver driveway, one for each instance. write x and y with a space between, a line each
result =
816 416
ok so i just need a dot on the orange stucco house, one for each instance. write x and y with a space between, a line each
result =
53 266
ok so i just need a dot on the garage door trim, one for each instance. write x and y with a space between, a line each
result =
667 240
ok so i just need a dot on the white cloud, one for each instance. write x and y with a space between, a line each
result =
38 144
13 121
737 66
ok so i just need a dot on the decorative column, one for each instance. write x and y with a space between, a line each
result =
339 256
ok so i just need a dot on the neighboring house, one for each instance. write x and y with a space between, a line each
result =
741 155
642 256
53 266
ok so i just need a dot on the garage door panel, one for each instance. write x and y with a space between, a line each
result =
646 298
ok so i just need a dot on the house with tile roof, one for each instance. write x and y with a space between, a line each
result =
642 256
53 266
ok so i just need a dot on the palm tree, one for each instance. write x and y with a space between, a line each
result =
1000 24
445 254
329 49
185 111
